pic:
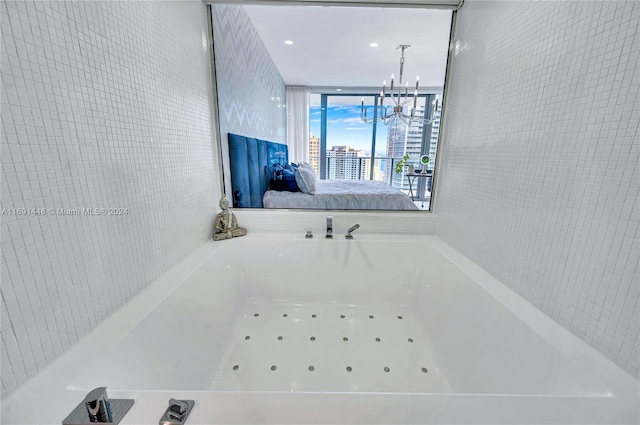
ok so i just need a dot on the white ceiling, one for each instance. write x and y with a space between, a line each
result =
331 44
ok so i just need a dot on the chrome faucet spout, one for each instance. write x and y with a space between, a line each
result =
351 230
329 227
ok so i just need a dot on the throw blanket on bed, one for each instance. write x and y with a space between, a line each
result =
343 195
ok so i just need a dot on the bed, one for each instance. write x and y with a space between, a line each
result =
342 195
251 158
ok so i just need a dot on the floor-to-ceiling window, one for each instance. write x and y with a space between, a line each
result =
343 146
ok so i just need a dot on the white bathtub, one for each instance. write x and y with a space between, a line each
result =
275 329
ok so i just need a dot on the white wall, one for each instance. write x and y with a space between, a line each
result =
104 105
251 92
539 174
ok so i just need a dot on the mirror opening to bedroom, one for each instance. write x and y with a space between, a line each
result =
268 57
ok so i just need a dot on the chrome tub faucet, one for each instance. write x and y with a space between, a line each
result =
329 233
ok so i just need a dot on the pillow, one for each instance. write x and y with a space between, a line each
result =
306 180
274 172
287 184
286 181
310 168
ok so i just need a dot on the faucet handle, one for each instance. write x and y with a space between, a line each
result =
178 406
98 408
98 405
177 412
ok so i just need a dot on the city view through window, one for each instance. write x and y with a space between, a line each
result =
355 150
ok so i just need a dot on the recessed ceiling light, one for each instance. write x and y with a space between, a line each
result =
338 89
288 42
373 45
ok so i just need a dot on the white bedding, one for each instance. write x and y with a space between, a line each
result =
342 195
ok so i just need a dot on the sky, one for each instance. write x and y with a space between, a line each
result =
344 127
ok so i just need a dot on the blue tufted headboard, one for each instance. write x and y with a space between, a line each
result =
248 157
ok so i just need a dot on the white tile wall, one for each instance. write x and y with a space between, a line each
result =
104 105
539 173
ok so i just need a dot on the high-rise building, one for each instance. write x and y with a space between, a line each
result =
347 163
407 139
404 139
314 153
378 174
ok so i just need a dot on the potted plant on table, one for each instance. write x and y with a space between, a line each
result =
400 164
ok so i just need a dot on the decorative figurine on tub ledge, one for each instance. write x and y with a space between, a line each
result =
226 225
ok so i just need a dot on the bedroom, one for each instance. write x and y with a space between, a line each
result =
280 78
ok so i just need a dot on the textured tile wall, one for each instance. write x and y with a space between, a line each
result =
539 172
251 92
104 105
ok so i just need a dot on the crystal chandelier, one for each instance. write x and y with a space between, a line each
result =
399 100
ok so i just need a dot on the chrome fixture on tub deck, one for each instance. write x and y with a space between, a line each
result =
177 412
98 408
329 233
351 230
